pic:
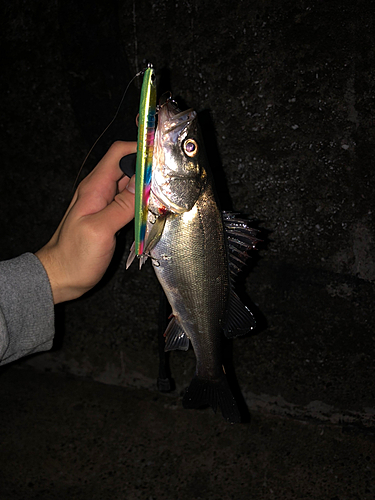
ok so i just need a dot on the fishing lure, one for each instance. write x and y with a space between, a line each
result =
145 147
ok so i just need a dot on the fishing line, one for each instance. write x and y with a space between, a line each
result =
107 127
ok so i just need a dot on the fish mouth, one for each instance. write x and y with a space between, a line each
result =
171 118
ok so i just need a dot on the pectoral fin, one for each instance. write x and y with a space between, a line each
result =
152 237
155 233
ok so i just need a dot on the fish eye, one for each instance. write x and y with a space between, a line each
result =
190 147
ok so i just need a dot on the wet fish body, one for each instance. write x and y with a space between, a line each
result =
196 251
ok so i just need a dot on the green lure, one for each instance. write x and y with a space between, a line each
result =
145 148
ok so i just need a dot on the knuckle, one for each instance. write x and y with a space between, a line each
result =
124 202
117 147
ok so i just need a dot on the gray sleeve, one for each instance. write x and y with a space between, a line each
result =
26 308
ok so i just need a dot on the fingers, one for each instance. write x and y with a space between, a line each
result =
120 211
108 168
131 186
123 183
105 194
127 183
99 188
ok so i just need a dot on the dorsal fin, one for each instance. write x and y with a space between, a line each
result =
241 239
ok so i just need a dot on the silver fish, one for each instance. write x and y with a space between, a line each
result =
196 252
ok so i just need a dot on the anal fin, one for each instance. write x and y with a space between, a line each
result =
175 337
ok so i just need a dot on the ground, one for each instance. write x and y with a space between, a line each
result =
66 437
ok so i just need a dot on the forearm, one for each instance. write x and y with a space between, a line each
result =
26 308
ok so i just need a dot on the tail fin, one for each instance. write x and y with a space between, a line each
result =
203 392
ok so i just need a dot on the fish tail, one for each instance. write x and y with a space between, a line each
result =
215 393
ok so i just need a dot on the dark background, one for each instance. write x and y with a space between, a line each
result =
286 98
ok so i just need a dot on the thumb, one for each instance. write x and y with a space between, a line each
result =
120 211
131 185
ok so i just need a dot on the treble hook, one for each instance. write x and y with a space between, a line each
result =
165 99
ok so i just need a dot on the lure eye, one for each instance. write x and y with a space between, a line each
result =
190 147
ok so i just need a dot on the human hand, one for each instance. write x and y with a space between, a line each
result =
82 247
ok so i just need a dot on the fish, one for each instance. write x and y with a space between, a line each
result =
196 251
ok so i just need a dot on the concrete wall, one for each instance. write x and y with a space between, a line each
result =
286 99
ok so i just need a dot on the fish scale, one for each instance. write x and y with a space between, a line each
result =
197 293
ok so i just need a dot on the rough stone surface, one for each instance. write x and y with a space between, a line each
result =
71 438
285 95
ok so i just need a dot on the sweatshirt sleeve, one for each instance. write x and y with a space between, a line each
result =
26 308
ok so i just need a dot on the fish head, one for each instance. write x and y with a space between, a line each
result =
177 172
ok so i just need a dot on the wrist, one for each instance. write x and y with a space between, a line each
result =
60 292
